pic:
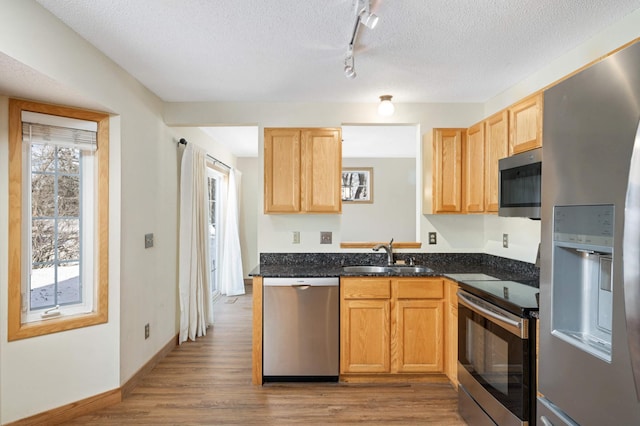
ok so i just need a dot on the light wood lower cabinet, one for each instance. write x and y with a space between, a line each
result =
392 325
451 345
418 336
365 336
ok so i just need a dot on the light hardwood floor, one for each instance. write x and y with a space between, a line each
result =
208 382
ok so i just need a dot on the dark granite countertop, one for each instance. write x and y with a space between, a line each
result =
441 264
484 275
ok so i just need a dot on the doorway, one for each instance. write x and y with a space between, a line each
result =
215 201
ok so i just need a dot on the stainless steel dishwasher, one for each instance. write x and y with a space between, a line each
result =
301 329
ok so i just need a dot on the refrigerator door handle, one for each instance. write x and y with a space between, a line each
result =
631 261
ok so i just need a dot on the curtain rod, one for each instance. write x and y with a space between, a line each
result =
184 142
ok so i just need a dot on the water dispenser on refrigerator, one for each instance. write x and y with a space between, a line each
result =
582 303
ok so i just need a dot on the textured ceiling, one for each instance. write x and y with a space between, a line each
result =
293 50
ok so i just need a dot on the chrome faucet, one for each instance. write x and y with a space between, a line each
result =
389 249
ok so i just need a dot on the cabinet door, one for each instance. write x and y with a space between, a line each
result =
525 125
474 156
497 147
418 336
322 170
282 170
364 331
447 170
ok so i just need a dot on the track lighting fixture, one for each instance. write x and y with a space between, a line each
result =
366 18
349 65
385 107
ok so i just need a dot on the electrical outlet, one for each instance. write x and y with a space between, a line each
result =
148 240
296 237
433 239
505 240
325 237
146 331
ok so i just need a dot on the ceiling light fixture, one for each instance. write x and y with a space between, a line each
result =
385 107
368 19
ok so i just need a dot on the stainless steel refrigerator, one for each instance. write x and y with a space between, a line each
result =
589 365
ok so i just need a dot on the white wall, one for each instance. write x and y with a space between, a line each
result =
143 199
524 234
45 372
274 231
595 48
393 211
249 207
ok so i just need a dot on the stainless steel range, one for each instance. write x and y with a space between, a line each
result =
496 352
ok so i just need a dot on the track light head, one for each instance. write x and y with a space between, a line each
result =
350 72
368 19
349 64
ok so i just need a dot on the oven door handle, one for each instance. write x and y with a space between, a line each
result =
513 326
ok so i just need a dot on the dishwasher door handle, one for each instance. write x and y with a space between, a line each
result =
301 286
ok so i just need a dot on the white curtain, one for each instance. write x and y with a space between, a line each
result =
193 268
231 278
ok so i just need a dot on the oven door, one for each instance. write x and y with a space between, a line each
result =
493 360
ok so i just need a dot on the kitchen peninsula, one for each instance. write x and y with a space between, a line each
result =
394 348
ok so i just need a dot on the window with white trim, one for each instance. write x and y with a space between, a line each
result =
59 211
58 215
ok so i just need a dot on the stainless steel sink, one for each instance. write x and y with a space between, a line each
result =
367 269
411 268
398 269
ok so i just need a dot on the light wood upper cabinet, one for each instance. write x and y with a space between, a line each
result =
392 325
525 124
496 147
322 170
459 170
474 169
465 161
302 170
282 170
447 170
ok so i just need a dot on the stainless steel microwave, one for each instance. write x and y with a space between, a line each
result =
520 184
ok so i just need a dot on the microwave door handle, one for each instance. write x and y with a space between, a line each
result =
515 327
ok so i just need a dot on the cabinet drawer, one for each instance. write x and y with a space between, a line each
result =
366 288
418 289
